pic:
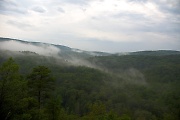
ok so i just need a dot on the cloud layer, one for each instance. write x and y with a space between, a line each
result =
41 49
105 25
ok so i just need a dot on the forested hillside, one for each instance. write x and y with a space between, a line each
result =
129 87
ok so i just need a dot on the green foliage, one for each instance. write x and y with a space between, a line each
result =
53 108
134 87
12 90
41 84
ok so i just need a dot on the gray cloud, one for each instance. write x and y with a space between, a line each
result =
70 2
141 23
137 0
11 7
166 26
82 2
39 9
95 25
130 16
19 25
169 6
163 28
61 10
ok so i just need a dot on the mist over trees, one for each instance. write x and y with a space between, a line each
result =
133 87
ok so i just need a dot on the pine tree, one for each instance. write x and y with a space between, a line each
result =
40 84
11 89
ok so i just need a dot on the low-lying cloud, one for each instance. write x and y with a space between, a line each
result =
41 49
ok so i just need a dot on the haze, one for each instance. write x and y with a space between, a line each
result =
41 49
95 25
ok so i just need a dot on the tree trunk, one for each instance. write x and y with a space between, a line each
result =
39 103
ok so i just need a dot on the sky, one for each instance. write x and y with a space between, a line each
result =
94 25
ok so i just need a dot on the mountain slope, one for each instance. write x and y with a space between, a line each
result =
139 86
63 51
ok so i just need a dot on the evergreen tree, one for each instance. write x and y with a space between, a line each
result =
40 84
12 89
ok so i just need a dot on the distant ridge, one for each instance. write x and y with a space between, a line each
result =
71 51
65 51
156 53
35 43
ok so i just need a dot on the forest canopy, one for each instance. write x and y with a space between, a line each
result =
132 87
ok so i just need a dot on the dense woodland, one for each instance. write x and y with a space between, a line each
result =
129 87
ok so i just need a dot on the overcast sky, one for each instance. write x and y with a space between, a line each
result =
96 25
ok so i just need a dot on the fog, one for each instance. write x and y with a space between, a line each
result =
130 75
134 76
41 49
